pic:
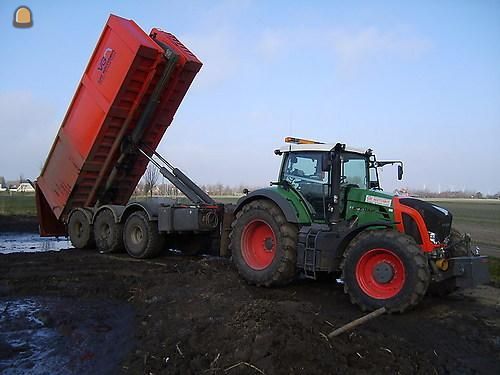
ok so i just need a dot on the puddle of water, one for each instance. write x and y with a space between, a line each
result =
31 242
51 335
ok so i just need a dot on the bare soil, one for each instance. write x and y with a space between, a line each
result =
19 223
195 315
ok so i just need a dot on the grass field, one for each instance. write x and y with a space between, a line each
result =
495 270
24 204
18 204
480 218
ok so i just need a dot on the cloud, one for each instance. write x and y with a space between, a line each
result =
356 47
349 48
28 126
217 42
272 43
216 51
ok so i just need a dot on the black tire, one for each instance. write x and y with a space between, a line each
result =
448 286
80 231
108 234
141 237
399 271
280 269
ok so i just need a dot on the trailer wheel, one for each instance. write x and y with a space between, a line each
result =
264 244
385 268
80 231
141 236
108 234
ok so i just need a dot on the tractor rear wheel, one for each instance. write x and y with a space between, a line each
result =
264 244
141 236
80 230
385 268
108 234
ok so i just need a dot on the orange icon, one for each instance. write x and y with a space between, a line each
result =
23 17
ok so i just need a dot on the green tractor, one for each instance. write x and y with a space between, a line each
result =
327 214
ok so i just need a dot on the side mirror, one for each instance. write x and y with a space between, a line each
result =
400 172
374 185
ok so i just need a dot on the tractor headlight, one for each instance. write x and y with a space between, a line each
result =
432 237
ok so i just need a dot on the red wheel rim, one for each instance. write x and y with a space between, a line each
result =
258 244
380 273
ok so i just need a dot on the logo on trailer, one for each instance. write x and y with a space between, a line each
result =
104 63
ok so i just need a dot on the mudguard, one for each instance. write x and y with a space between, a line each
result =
115 209
286 206
150 206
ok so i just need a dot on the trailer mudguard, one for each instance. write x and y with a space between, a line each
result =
284 204
150 209
115 209
150 206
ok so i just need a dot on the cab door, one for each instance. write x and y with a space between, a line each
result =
304 171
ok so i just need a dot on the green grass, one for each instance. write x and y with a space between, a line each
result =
17 204
480 218
24 204
494 265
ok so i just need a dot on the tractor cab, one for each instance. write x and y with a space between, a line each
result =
322 174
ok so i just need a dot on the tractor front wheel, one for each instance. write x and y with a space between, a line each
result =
264 244
385 268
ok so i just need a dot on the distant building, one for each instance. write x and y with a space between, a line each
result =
25 187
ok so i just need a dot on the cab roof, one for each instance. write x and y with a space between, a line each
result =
293 147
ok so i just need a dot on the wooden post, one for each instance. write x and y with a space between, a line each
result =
357 322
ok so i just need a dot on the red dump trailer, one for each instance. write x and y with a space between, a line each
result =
125 101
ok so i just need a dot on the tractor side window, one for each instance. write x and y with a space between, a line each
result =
354 171
305 166
303 170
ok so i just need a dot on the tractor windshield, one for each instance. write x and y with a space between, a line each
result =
354 170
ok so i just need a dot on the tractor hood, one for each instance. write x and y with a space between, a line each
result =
368 205
437 219
372 197
426 222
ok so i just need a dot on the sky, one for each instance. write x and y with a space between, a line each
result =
414 81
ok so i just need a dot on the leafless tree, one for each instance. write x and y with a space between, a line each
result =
150 179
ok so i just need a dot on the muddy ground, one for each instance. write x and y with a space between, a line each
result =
194 315
18 223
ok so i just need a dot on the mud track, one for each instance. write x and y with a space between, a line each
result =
196 316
